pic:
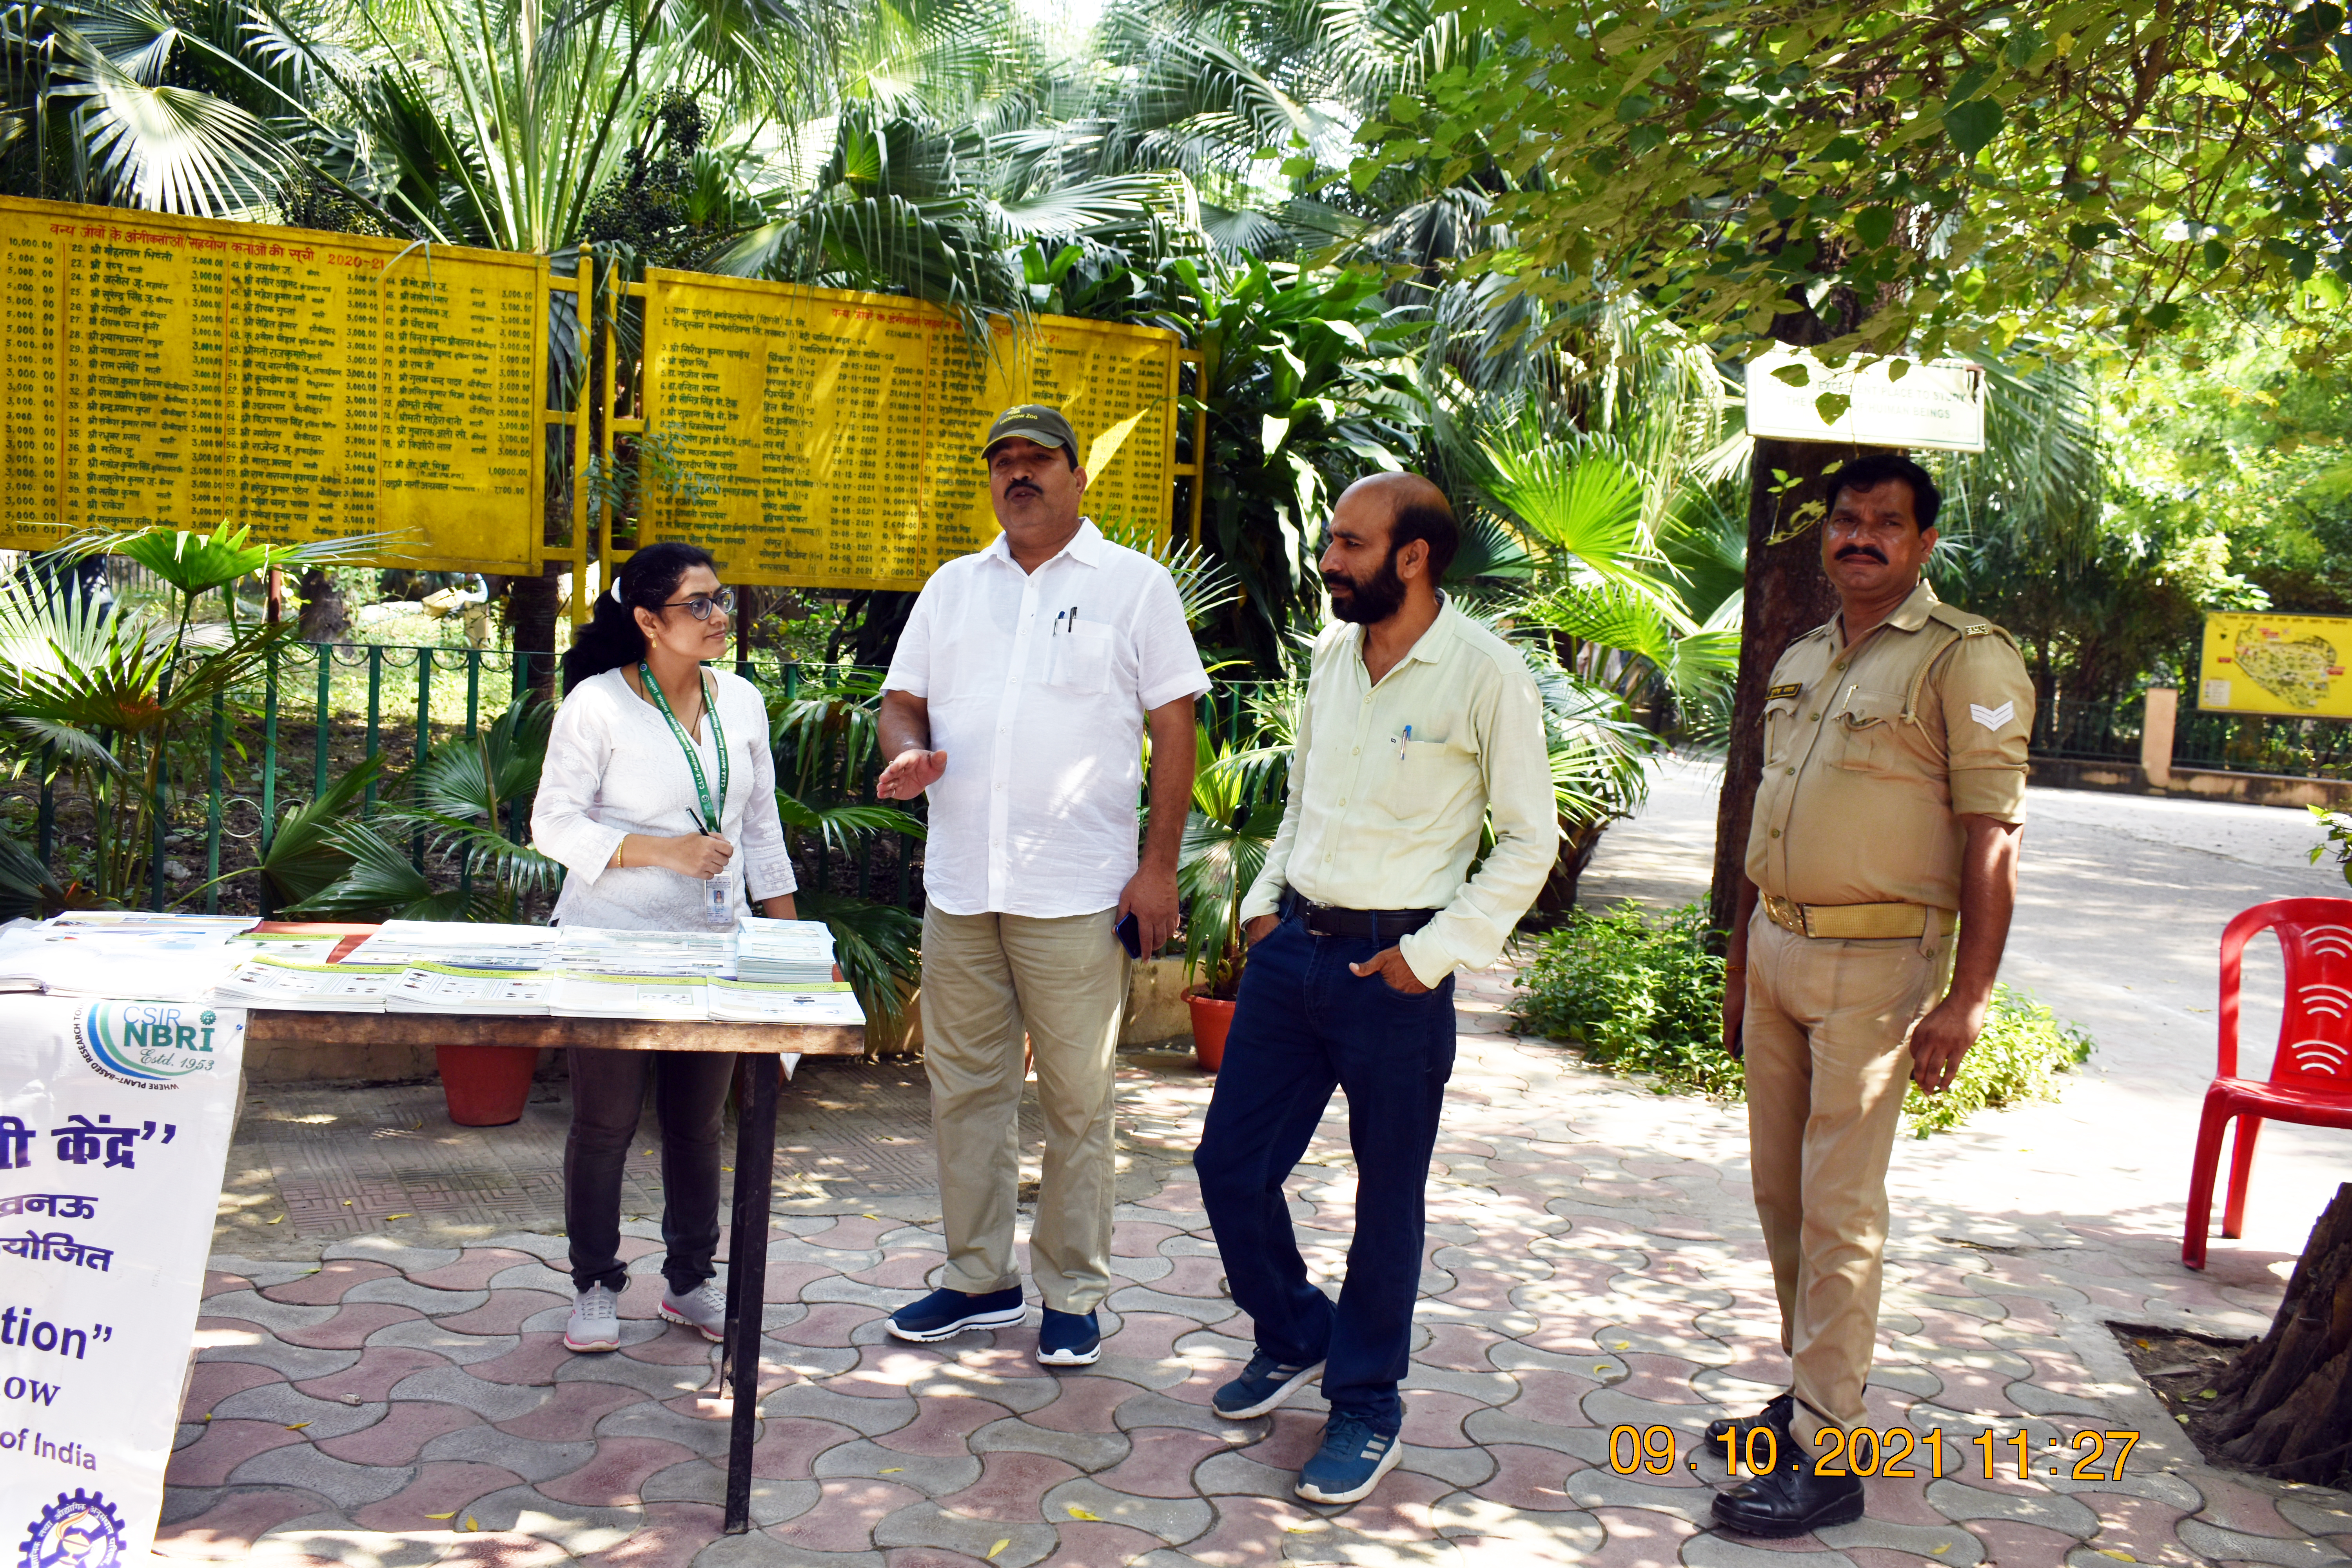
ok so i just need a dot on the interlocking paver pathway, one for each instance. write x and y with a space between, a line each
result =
398 1397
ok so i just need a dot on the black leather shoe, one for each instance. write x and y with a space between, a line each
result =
1777 1413
1789 1502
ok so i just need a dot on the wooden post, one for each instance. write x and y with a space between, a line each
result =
2156 735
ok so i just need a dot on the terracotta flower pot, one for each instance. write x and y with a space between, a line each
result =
487 1085
1211 1019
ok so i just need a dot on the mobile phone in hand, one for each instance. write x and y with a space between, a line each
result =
1130 934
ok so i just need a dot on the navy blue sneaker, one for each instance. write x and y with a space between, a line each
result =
943 1314
1069 1338
1263 1384
1350 1462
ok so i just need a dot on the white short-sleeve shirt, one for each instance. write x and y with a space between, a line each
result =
1038 684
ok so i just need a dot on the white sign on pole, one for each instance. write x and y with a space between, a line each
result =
114 1125
1939 404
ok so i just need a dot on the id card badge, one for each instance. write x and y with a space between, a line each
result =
718 902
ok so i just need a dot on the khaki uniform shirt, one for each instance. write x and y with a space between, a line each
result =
1391 784
1873 752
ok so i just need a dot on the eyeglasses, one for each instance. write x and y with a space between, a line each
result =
700 605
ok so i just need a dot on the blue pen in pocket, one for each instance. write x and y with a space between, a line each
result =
1404 741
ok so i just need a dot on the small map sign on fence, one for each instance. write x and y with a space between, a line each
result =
2260 662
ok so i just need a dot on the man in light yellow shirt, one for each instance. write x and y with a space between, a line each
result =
1419 723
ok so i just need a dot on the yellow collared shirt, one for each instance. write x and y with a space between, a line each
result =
1873 752
1390 786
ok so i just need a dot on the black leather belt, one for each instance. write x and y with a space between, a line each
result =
1378 925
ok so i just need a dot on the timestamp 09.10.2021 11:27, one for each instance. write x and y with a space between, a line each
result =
1898 1452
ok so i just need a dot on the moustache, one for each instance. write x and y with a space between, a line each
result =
1867 551
1019 486
1336 583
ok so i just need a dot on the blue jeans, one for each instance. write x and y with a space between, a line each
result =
1304 1025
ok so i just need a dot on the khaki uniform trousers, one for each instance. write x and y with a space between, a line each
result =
1827 1035
987 979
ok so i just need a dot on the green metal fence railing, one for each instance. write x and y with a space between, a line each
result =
367 700
318 709
2075 731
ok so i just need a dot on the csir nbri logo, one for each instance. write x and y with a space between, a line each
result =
150 1045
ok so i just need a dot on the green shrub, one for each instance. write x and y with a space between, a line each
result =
1637 993
2018 1057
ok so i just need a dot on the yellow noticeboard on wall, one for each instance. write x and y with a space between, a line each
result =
173 371
2259 662
826 438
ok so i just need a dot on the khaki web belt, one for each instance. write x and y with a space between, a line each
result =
1857 922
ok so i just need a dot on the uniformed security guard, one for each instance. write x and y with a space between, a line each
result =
1889 812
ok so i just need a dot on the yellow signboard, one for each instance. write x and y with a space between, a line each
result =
2258 662
163 370
832 439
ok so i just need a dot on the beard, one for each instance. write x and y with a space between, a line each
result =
1367 601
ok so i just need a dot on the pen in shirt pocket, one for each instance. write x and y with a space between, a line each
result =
1404 741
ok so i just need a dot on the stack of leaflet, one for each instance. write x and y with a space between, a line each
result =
406 943
580 994
593 949
284 945
151 957
447 988
309 987
784 953
761 1002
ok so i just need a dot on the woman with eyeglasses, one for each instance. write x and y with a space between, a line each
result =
659 798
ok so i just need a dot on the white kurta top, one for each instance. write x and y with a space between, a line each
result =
1037 683
614 768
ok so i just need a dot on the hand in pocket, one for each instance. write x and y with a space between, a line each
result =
1389 966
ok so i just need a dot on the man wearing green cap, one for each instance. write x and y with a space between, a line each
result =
1018 701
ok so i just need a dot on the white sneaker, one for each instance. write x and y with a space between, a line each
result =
595 1322
704 1308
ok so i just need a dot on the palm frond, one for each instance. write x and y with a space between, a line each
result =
839 827
875 945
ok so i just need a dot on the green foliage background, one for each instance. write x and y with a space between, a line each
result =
1638 993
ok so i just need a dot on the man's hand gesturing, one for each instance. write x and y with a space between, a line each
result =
911 773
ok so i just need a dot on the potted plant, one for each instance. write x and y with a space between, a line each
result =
1226 836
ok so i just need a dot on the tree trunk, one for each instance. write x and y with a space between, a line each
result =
1786 596
531 607
2285 1406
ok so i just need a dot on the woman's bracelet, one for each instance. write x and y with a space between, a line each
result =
1734 969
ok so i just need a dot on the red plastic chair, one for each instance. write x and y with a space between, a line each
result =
2311 1077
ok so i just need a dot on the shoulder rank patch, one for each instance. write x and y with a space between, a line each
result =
1981 629
1788 689
1992 718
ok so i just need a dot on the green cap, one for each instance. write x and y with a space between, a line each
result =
1036 422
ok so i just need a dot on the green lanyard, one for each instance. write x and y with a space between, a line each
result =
712 815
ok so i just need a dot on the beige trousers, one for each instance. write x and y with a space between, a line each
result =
987 979
1827 1033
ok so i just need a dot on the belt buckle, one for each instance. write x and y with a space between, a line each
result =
1788 914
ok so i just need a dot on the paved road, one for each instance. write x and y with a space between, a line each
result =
2121 903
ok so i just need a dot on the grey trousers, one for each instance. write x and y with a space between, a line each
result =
987 979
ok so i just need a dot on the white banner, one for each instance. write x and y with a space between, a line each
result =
1939 403
114 1126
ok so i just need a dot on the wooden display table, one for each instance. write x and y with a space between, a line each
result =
757 1046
